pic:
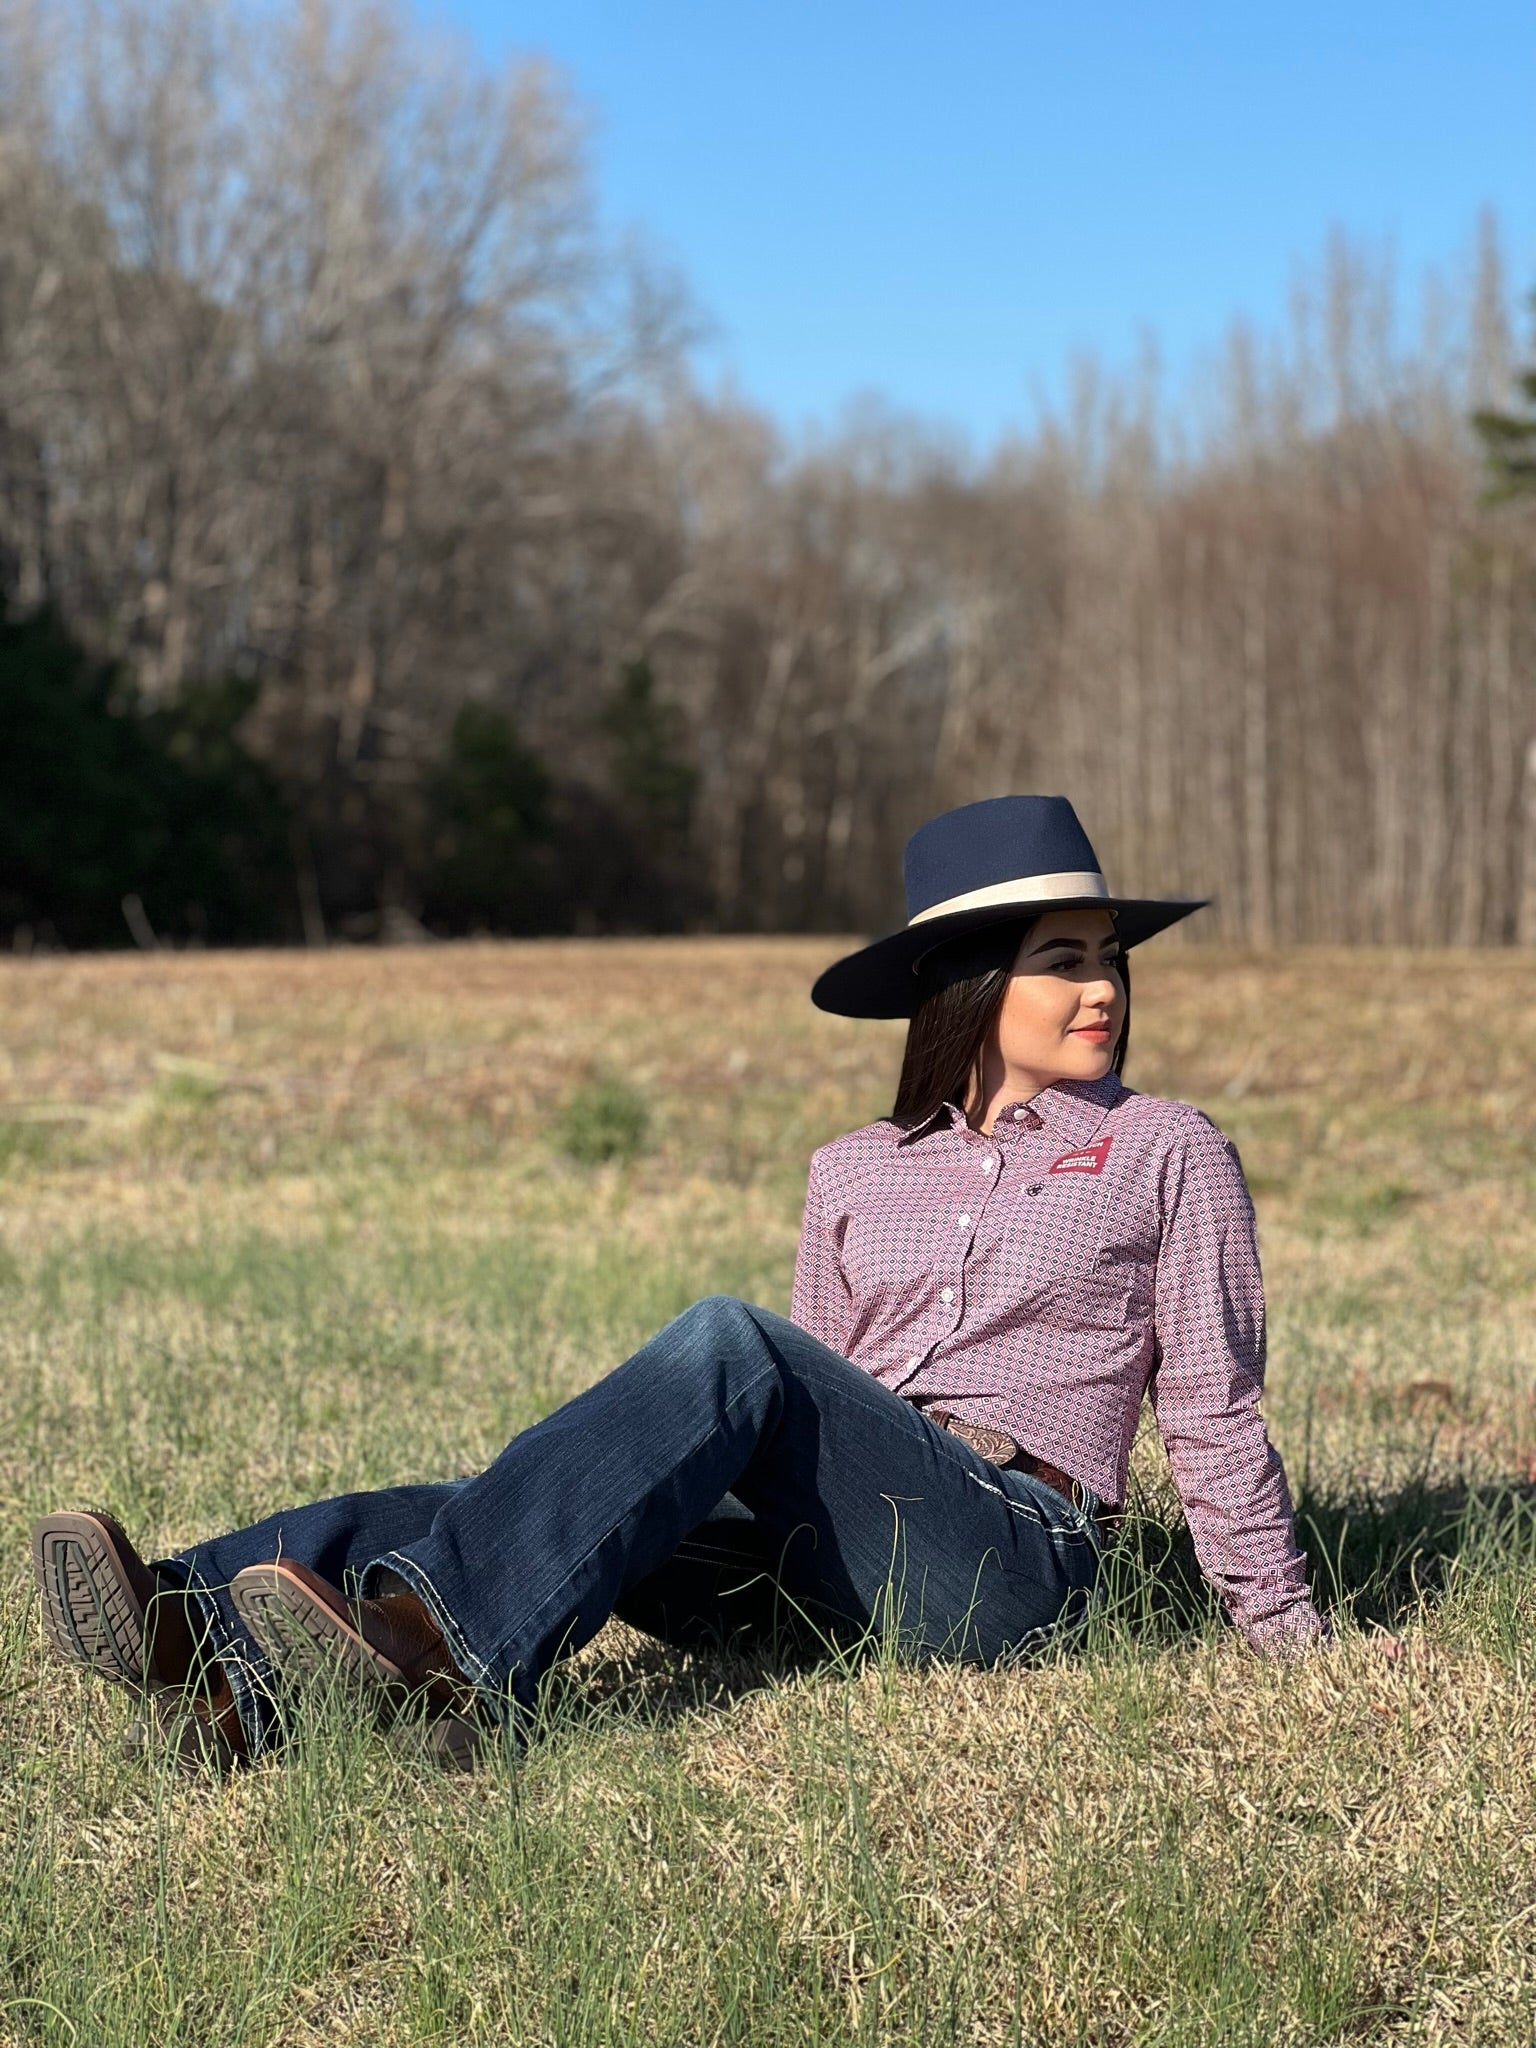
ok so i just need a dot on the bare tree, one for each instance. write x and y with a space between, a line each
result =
314 369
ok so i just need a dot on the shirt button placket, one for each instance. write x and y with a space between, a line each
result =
964 1221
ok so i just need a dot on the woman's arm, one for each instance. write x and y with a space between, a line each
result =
821 1302
1205 1389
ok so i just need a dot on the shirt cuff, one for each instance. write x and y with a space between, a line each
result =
1290 1634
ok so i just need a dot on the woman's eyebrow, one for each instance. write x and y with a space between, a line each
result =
1074 945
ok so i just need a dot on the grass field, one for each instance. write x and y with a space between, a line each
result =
274 1225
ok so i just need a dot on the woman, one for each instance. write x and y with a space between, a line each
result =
988 1282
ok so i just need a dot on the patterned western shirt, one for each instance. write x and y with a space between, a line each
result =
1097 1246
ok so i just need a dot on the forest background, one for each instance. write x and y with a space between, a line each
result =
374 565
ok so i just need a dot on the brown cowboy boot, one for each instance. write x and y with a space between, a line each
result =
104 1609
311 1631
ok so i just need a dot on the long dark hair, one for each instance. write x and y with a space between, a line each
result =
960 989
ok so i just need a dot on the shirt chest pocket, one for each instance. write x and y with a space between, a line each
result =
1054 1229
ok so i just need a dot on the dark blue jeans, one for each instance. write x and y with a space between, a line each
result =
732 1477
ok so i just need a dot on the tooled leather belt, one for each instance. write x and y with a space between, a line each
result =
999 1448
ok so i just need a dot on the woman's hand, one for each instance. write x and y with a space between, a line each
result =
1409 1653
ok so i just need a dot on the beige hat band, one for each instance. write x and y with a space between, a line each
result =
1026 889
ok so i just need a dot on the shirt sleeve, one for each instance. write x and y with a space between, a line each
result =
1205 1389
821 1303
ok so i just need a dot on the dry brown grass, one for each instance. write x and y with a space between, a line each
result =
272 1223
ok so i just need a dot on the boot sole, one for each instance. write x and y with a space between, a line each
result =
311 1645
91 1614
93 1618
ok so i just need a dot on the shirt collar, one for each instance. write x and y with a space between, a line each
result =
1073 1110
1069 1110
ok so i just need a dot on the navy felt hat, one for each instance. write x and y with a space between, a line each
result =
1004 858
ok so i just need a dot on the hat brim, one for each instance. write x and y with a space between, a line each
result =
880 980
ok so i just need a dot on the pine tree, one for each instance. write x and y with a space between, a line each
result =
647 737
1510 440
489 804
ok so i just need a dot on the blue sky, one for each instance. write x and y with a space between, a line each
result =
942 203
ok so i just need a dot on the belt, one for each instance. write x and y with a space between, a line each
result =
999 1448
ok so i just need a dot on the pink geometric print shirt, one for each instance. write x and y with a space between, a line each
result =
1097 1246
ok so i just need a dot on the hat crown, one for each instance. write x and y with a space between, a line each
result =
982 845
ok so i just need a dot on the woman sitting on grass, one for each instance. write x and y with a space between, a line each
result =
988 1282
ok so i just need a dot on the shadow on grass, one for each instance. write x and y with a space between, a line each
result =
1376 1558
1432 1550
1388 1558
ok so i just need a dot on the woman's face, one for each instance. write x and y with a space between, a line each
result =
1064 1007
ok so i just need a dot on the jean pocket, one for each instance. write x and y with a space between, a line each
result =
1066 1523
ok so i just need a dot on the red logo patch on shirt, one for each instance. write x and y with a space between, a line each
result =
1090 1160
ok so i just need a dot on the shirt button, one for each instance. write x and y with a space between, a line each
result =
964 1222
946 1295
988 1163
913 1364
1019 1115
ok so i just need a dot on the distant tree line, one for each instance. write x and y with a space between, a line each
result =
371 563
128 821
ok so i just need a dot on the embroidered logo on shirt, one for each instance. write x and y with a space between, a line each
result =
1090 1160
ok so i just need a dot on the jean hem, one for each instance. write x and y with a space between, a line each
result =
250 1677
474 1668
